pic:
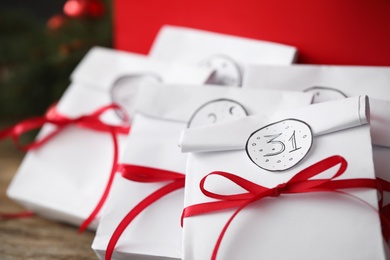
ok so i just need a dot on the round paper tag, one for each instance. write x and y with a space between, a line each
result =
281 145
217 111
322 94
226 70
125 89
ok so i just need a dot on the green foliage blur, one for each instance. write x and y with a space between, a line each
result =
36 59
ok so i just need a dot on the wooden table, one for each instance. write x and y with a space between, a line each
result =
34 237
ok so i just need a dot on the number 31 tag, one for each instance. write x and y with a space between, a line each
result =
281 145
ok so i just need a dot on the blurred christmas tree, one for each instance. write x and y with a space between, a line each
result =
37 56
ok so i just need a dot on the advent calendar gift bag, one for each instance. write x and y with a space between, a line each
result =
65 178
142 214
296 185
227 55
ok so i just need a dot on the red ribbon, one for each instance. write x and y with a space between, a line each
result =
147 175
300 183
91 121
384 185
24 214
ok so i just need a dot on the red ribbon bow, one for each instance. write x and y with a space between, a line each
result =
91 121
300 183
143 174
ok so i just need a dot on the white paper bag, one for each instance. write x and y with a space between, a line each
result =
227 55
162 115
317 225
65 178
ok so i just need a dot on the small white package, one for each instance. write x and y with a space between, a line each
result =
291 152
65 178
162 113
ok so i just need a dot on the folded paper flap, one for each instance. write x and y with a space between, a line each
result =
322 118
373 81
180 102
80 101
102 67
208 43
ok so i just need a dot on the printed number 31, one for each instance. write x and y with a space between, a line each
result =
273 140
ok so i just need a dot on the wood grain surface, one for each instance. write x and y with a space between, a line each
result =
34 237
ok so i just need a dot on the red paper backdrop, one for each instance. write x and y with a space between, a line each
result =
343 32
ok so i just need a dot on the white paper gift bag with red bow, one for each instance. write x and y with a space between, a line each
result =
142 213
296 185
65 178
227 55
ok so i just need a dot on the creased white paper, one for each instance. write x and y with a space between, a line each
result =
155 101
227 55
233 135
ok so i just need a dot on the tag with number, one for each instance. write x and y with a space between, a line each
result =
217 111
124 90
281 145
322 94
227 72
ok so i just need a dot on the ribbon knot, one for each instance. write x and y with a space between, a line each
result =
90 121
278 190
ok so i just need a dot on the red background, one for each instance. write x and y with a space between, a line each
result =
340 32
